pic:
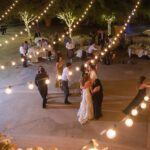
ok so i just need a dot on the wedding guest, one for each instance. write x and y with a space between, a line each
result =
59 69
65 78
142 86
23 55
40 81
97 97
91 49
26 47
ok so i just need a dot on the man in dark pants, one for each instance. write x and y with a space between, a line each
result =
65 79
40 81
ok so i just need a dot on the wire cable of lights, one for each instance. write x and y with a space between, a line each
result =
9 9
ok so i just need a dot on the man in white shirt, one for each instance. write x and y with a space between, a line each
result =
23 55
91 49
65 78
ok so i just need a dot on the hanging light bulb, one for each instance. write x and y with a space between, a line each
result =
85 65
92 61
96 57
13 63
2 67
146 98
8 90
143 105
30 85
47 81
70 73
59 77
77 68
134 112
129 122
111 133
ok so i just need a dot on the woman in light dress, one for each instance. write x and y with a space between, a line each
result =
85 112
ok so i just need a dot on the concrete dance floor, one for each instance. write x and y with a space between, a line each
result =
22 115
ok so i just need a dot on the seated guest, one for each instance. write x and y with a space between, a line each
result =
91 49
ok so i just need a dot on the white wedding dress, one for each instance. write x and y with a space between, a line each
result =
85 112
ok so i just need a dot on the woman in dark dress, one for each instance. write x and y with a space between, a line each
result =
97 96
139 97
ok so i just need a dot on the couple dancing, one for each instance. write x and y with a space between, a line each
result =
92 96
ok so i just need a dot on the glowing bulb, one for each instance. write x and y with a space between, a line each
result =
59 39
111 133
77 68
143 105
13 63
47 81
59 77
22 60
16 35
2 67
113 42
31 86
30 56
6 42
12 38
109 46
0 45
21 32
8 90
134 112
146 98
85 65
37 53
105 50
70 73
96 57
92 61
49 46
54 42
44 49
102 53
63 36
129 122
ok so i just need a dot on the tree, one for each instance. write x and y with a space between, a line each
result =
68 18
109 19
27 18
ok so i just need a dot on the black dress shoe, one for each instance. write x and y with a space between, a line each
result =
68 102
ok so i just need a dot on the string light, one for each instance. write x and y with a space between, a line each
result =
143 105
13 63
134 112
146 98
47 81
70 73
8 90
113 42
111 133
30 85
77 68
59 77
31 24
129 122
8 10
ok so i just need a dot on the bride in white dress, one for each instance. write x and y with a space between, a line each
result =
85 112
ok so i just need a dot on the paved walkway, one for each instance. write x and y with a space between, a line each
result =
57 125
